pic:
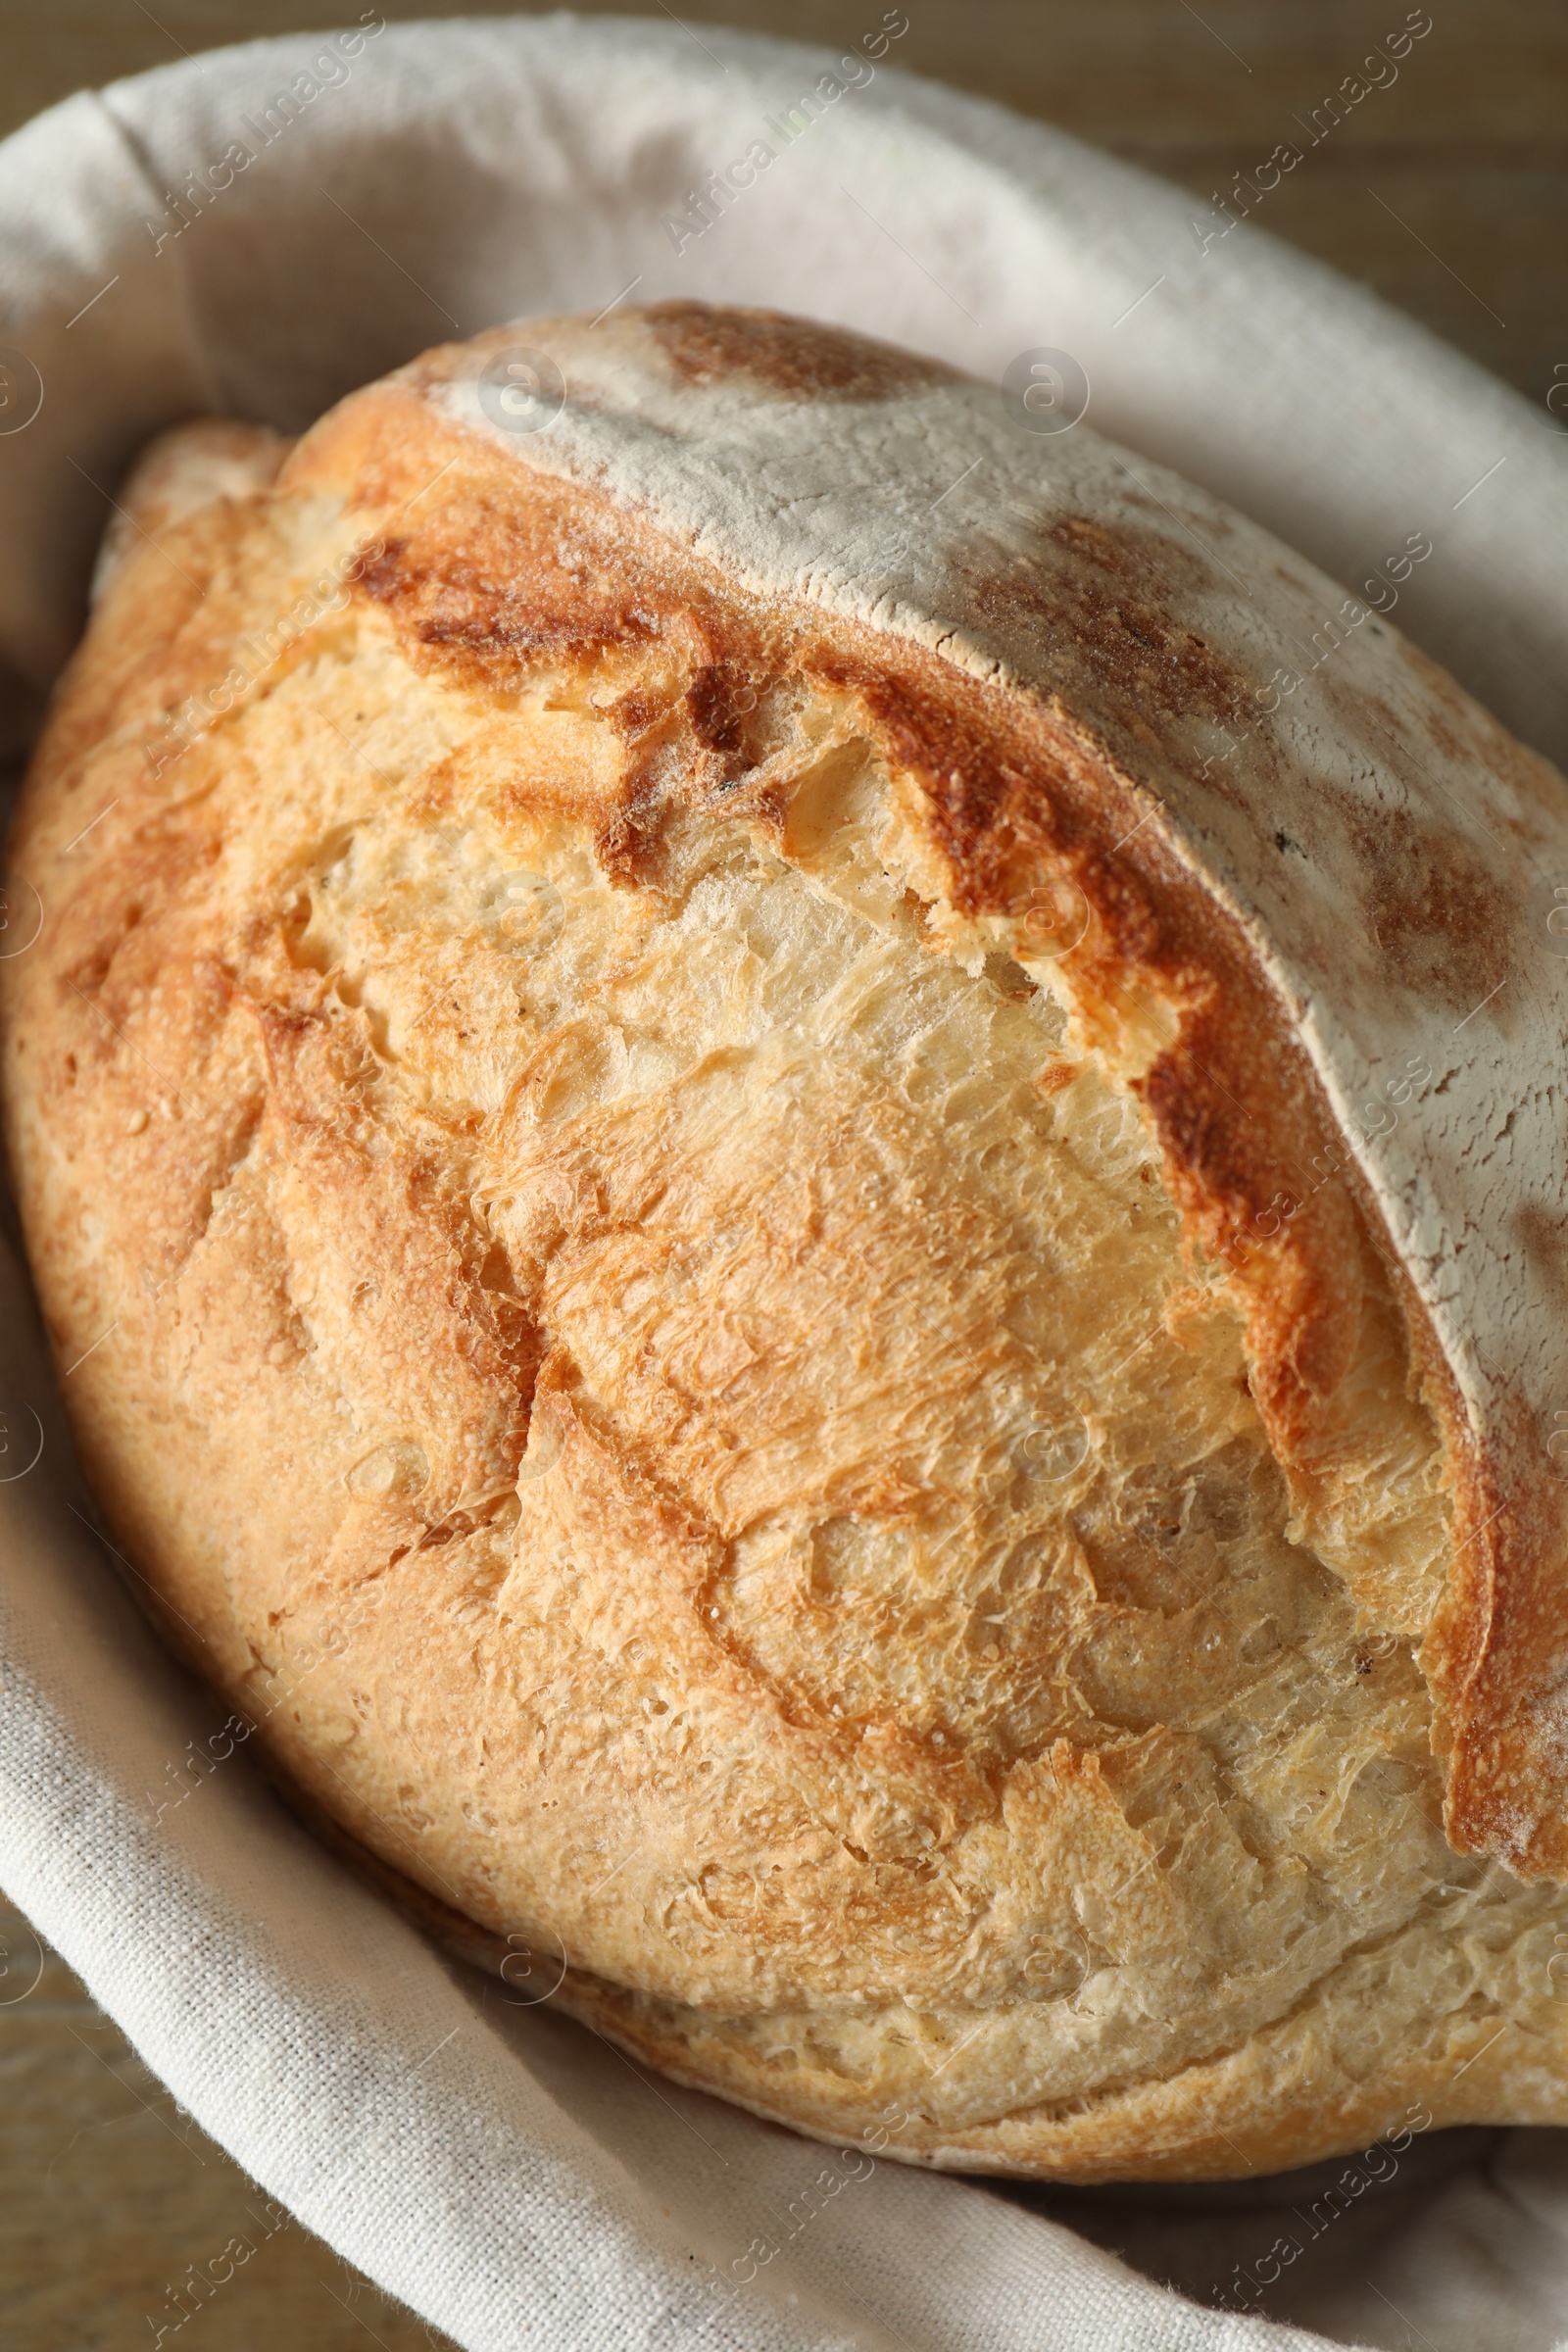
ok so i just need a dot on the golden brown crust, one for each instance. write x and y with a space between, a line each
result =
793 356
727 1393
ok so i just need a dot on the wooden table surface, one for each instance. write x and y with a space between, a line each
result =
110 2197
1446 191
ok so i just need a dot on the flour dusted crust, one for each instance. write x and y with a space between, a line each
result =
804 1199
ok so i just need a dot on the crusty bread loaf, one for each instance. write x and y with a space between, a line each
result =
797 1161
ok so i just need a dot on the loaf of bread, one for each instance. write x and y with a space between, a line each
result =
797 1160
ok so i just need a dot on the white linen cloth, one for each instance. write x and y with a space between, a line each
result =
505 2172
